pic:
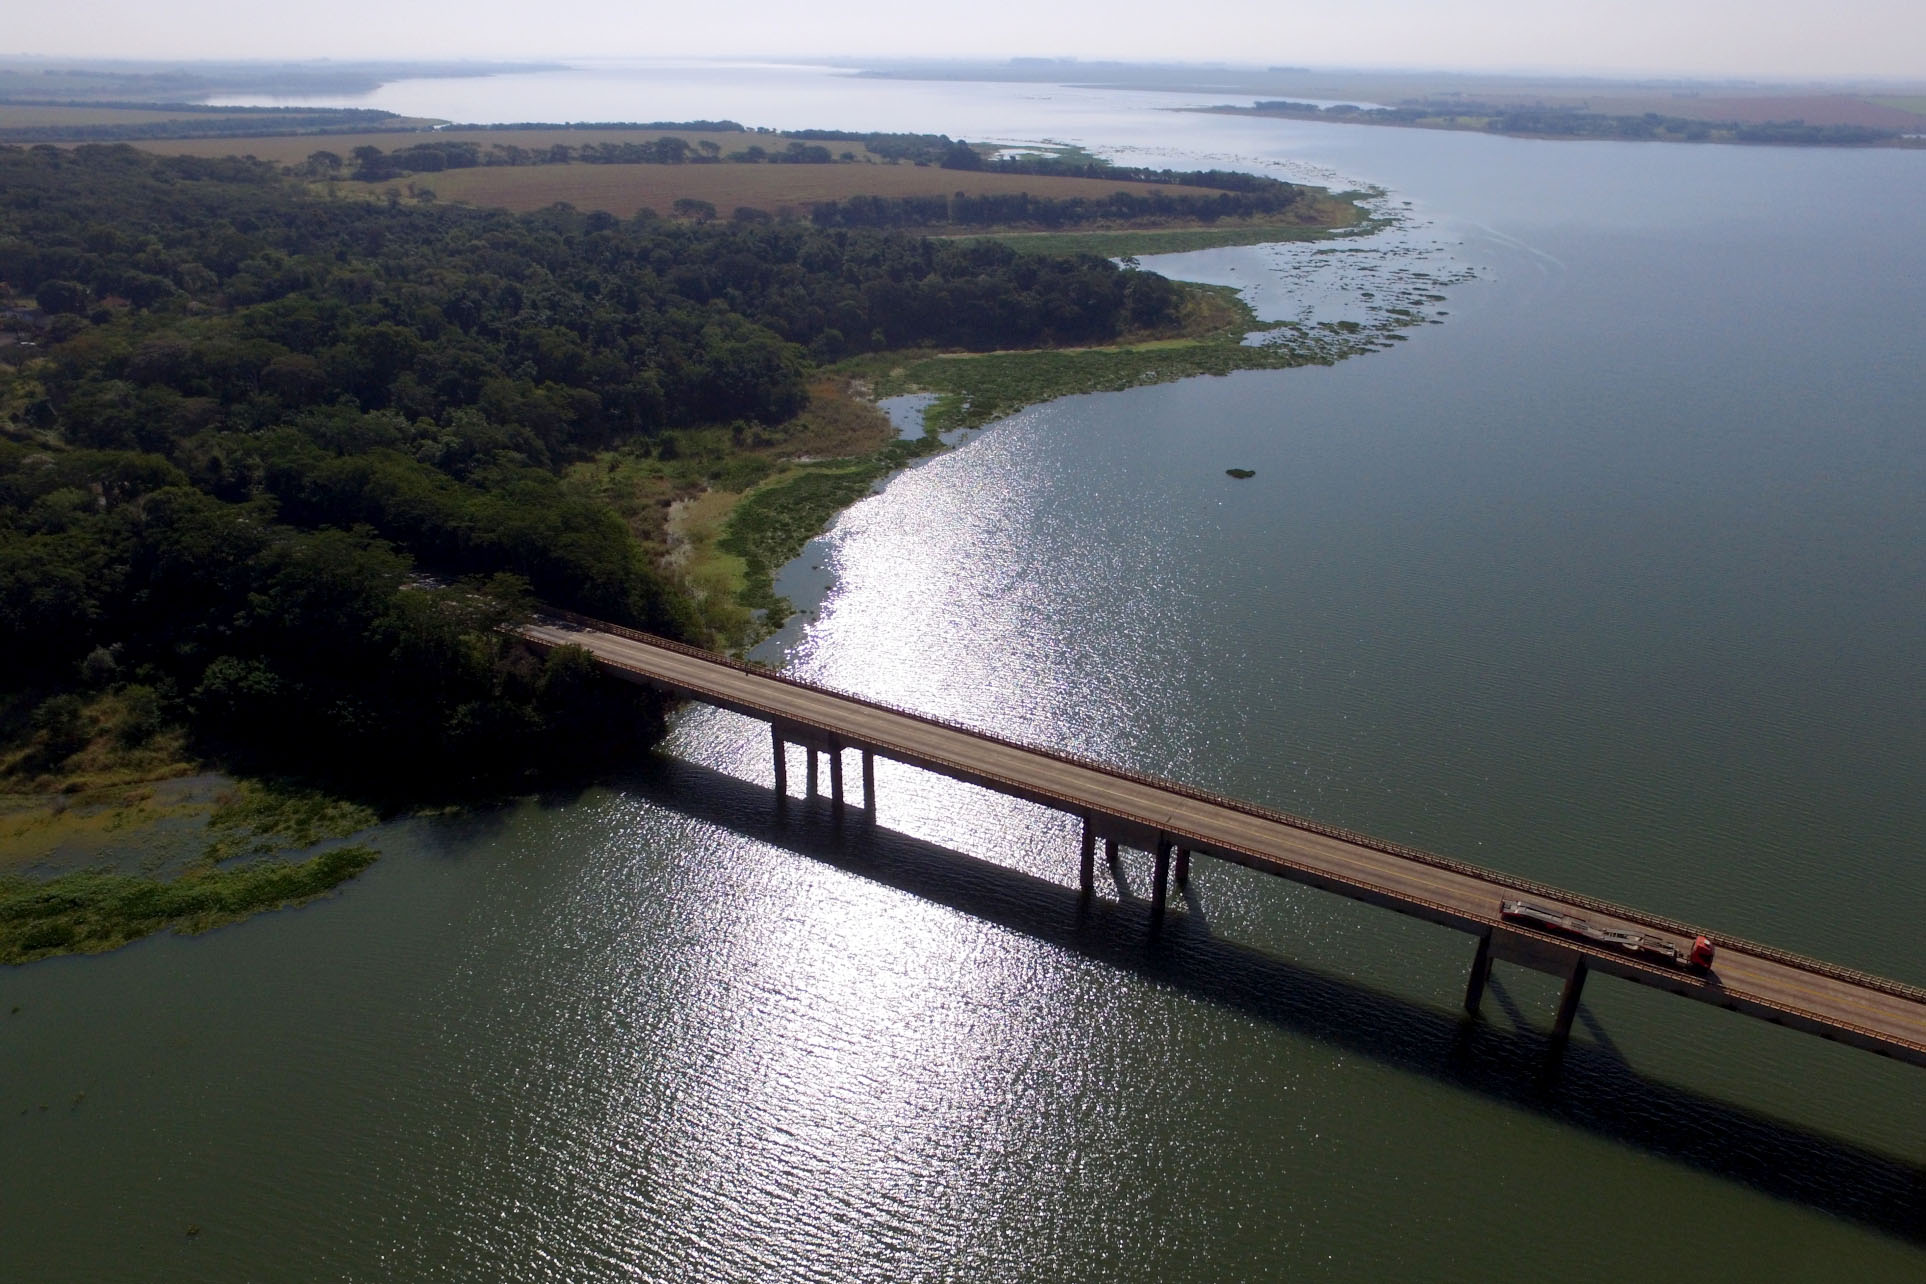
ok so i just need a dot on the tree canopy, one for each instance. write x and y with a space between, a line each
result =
285 462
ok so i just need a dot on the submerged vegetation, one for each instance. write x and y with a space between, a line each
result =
92 912
241 872
971 389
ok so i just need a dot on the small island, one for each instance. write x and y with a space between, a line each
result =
1240 473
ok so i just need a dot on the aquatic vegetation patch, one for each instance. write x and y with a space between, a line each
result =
972 389
242 871
263 817
91 913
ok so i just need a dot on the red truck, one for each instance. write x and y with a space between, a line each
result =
1653 949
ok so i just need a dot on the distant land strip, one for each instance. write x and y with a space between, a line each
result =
1574 123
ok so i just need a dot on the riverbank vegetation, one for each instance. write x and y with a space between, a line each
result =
734 538
1219 337
1341 213
92 912
242 871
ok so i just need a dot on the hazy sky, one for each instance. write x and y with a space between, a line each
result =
1719 37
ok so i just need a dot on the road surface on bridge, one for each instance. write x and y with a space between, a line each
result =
1837 1003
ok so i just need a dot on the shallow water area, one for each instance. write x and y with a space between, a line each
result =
1611 580
154 828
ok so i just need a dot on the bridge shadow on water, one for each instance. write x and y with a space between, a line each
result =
1589 1086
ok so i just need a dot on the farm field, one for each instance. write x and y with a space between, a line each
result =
292 149
625 189
36 122
38 115
1813 109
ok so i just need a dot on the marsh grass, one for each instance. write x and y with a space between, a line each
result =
92 912
241 872
972 389
772 523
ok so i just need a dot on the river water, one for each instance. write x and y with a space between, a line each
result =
1613 578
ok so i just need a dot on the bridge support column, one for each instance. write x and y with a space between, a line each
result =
1160 881
836 775
869 781
1183 867
1087 865
1480 973
809 777
1110 850
781 751
1568 1003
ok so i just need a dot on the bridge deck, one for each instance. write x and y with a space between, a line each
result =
1837 1003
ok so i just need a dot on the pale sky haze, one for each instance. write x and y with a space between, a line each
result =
1774 38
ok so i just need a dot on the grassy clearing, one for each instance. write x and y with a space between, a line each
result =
771 524
1318 219
1914 103
679 493
1119 242
90 913
80 746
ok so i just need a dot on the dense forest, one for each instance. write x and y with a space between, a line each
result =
274 467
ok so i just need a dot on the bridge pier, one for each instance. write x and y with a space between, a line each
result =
869 781
1087 864
1160 882
1568 1003
1807 995
809 776
1480 973
836 775
1183 867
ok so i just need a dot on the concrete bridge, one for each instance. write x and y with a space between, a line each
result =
1177 824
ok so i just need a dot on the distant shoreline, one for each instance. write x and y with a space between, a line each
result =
1565 125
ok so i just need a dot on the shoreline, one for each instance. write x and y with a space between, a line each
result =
969 391
1698 133
109 848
